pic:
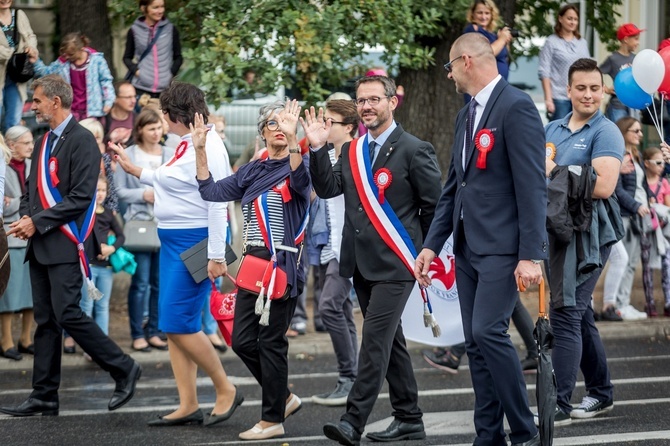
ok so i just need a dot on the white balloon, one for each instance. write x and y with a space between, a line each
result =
648 70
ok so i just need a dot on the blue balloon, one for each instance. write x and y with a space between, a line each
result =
629 92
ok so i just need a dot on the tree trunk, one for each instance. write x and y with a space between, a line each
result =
90 18
431 103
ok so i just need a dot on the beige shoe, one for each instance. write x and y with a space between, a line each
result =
258 433
293 405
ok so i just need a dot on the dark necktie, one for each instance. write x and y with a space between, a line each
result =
470 128
50 141
373 146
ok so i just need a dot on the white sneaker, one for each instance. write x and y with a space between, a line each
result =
629 313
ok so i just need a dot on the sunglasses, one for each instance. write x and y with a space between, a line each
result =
449 65
657 162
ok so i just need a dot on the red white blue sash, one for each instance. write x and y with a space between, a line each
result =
50 196
262 212
383 217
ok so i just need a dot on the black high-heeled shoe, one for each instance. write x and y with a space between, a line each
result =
194 418
30 349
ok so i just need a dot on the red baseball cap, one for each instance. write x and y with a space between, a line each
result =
627 30
664 43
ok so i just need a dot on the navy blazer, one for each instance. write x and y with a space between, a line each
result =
413 193
504 206
78 158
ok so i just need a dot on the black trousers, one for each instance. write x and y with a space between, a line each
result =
264 350
56 296
383 354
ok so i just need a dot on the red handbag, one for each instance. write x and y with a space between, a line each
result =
222 307
254 273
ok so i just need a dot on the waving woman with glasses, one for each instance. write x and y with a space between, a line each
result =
275 196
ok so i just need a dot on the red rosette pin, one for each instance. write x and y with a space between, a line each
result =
53 171
484 142
382 180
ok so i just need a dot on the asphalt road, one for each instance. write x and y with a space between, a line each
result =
640 369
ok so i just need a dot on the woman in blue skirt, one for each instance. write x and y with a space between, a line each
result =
185 219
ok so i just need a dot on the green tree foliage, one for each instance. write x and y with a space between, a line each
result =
313 46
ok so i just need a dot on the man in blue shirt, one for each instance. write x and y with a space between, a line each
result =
584 136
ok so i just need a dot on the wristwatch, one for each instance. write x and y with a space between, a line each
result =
296 150
537 262
220 261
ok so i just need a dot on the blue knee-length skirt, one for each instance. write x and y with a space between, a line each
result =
180 298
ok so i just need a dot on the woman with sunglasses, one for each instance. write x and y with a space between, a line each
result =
634 204
275 190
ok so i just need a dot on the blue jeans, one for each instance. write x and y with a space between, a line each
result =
144 285
99 310
12 105
561 109
578 346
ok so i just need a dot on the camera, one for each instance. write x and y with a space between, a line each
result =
514 32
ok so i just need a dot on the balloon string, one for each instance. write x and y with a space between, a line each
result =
654 117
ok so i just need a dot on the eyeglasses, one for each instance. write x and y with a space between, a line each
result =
338 122
657 162
30 143
272 125
373 101
639 131
449 65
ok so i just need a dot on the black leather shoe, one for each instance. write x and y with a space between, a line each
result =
31 407
535 441
11 353
125 389
29 349
194 418
398 431
342 432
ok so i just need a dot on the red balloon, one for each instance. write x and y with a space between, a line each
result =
664 88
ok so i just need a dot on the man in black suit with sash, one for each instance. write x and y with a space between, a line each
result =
494 202
68 155
402 180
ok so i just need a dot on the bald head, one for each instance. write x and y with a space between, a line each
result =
474 65
474 45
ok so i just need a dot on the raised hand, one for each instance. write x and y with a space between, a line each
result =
121 157
316 128
288 118
198 132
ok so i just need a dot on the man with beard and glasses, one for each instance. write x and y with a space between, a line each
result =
391 182
60 193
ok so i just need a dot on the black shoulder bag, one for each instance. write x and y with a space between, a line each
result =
19 68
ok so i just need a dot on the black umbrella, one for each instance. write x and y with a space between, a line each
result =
545 390
4 261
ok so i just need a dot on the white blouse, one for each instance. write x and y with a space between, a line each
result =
178 204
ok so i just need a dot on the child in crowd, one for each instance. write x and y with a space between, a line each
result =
629 40
106 224
658 190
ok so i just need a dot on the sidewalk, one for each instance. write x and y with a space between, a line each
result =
314 343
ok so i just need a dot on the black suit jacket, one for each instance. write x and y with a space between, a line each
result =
504 206
78 170
413 193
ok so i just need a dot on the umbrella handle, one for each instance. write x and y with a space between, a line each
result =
543 301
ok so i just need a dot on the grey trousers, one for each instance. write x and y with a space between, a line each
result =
337 315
